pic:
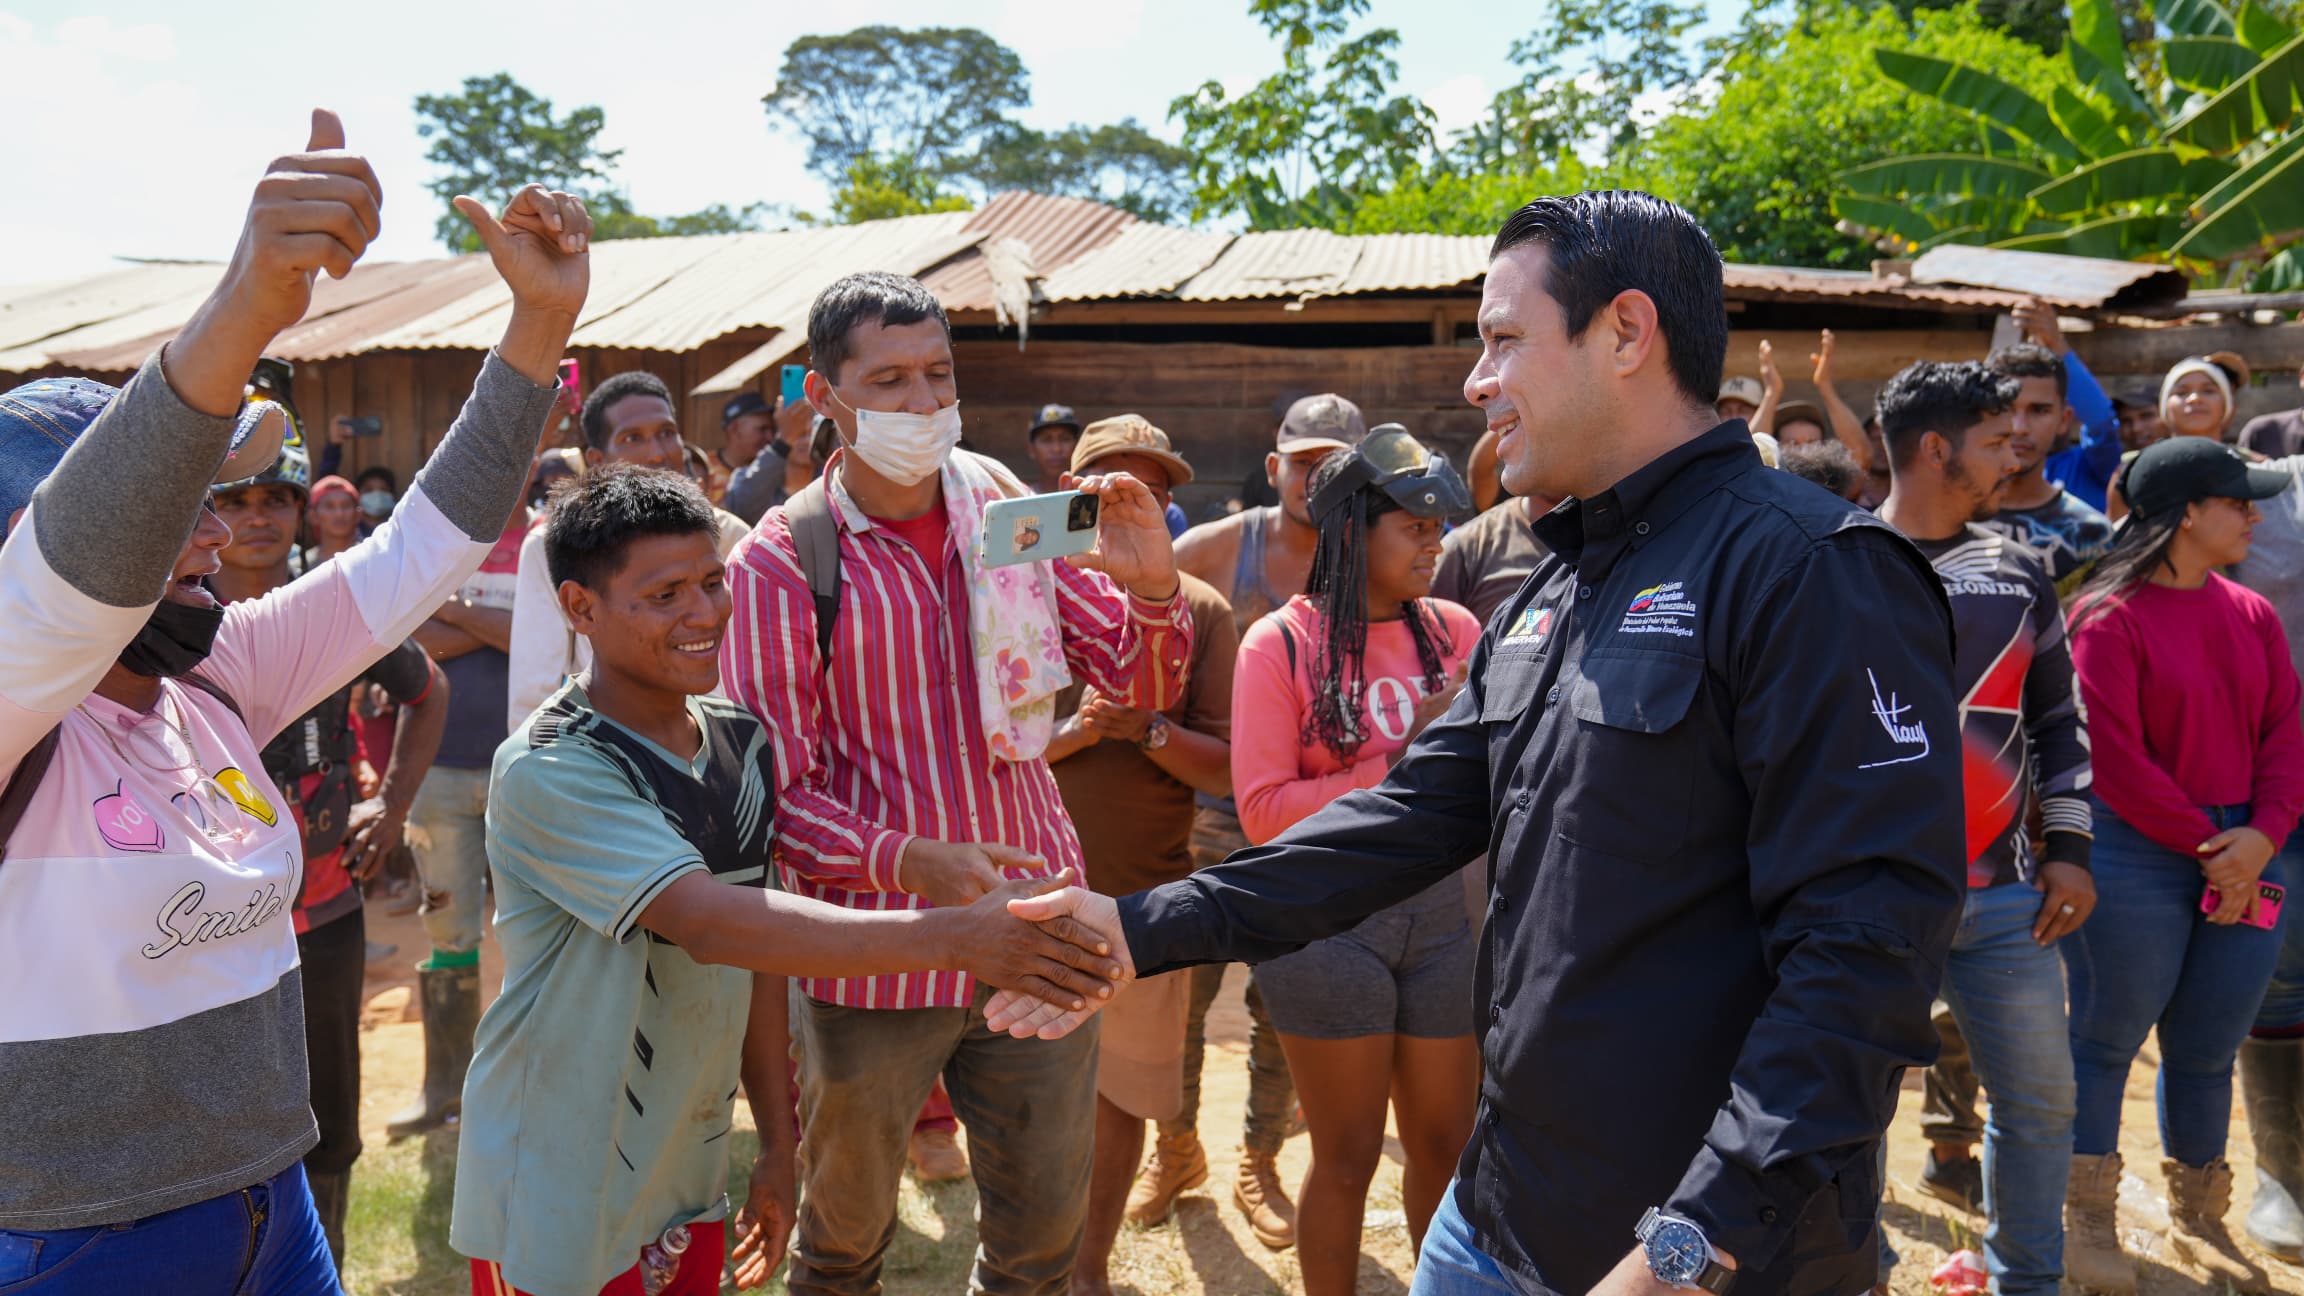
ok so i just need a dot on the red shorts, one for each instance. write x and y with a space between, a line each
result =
699 1274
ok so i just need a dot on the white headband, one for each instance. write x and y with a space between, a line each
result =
2196 365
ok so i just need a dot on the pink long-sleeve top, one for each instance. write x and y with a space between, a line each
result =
2192 702
1277 777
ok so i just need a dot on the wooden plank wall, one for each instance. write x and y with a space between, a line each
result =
417 394
1220 402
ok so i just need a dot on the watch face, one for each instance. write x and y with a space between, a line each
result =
1677 1252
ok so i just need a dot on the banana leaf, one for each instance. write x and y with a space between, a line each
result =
1961 234
2194 17
2207 63
2241 181
1880 216
2085 124
2099 57
2116 238
2265 99
2158 176
2283 273
2260 30
2271 209
1943 173
1980 93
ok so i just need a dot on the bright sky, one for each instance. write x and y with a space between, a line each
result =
141 129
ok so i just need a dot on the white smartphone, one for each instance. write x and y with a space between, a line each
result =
1039 527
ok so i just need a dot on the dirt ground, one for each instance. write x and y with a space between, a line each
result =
398 1243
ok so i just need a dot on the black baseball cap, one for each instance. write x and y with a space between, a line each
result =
1053 415
744 403
2181 470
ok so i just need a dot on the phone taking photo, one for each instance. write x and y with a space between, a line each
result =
795 381
1039 527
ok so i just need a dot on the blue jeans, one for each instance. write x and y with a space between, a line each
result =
1452 1263
2283 1010
263 1240
2008 995
2148 957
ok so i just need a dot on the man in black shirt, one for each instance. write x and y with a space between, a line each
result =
1708 748
2022 740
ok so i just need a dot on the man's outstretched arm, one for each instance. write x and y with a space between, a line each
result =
1368 850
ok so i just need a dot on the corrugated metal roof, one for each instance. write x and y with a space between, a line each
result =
1801 284
1278 263
2058 280
38 320
1416 262
1146 260
676 294
1058 231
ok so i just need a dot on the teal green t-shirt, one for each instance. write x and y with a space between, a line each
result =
601 1092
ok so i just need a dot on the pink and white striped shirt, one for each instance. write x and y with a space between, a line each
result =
888 743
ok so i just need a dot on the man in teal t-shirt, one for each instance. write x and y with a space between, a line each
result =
600 1096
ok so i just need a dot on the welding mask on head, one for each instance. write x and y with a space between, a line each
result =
1419 481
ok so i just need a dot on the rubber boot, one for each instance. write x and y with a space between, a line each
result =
331 1194
2198 1199
2092 1255
451 1014
2272 1082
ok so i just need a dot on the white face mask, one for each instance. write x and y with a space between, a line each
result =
906 448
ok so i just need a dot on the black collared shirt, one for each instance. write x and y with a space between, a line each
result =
1712 750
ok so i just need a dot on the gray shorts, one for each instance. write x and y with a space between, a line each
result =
1406 970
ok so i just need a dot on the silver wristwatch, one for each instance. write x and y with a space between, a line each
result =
1680 1255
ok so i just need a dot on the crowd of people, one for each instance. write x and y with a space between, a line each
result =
1573 828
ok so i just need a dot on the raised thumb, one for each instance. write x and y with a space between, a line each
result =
327 132
482 220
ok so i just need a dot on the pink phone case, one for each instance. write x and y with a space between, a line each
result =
2265 913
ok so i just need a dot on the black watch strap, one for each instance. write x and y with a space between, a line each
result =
1717 1278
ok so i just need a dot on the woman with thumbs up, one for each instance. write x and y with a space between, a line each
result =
151 1006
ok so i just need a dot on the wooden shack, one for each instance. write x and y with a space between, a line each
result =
1207 334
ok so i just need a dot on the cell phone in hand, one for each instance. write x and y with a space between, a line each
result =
2263 911
1039 527
795 380
367 425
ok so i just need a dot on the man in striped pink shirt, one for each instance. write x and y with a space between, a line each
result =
893 791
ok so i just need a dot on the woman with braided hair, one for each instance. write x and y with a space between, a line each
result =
1331 689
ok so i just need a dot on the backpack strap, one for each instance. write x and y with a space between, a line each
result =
16 797
816 539
211 688
24 783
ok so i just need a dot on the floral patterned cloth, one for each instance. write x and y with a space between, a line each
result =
1020 665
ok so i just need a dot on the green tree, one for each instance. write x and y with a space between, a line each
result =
1306 144
1445 200
906 105
1583 75
1796 102
496 135
1122 164
2189 149
879 188
613 218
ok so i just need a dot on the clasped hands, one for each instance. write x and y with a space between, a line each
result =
1053 949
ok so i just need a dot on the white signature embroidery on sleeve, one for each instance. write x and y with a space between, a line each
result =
1890 715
